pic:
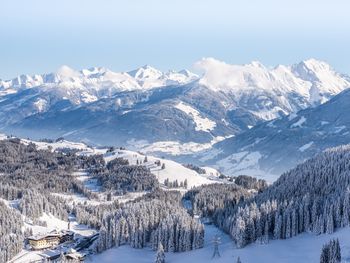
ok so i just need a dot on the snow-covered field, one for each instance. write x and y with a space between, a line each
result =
299 123
173 147
305 248
54 223
202 123
244 163
82 148
172 171
306 146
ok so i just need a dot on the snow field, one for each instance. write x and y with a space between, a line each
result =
304 248
172 171
202 124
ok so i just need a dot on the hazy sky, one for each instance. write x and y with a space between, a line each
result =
38 36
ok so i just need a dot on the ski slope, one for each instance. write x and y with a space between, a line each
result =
172 171
305 248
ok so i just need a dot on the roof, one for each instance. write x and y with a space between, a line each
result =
43 236
53 233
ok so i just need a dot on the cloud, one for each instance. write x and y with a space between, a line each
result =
215 72
66 72
219 75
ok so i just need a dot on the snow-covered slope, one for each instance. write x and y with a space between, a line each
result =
278 145
305 248
171 169
202 124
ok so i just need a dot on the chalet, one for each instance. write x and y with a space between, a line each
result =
49 240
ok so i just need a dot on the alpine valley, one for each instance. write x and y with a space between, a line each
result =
233 163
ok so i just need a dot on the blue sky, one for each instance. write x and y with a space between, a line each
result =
38 36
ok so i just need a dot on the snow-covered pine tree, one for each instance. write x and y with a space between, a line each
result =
337 251
324 254
241 239
346 209
312 197
331 252
330 223
266 232
160 256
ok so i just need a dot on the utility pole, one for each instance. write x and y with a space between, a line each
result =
216 241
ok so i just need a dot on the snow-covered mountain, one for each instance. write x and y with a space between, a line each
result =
272 92
175 111
89 85
278 145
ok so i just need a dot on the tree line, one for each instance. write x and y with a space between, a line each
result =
156 218
313 197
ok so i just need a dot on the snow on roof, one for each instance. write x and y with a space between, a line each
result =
53 233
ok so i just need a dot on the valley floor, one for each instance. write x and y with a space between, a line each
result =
305 248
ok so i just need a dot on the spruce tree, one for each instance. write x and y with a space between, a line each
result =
160 256
266 232
331 252
324 254
337 252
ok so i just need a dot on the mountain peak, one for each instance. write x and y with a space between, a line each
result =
314 61
186 72
146 66
146 72
325 80
257 64
314 65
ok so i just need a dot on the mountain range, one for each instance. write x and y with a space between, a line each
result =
176 113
